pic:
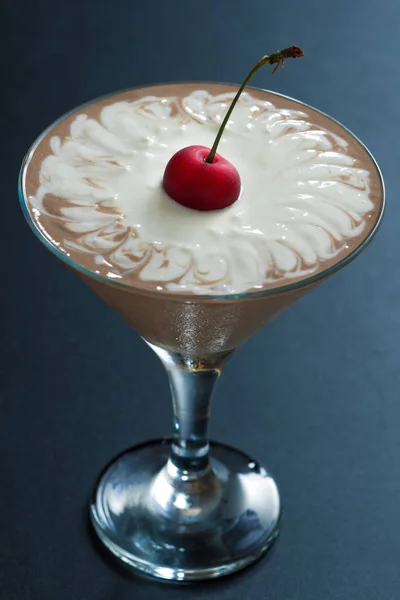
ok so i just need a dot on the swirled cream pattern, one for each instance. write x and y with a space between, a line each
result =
302 195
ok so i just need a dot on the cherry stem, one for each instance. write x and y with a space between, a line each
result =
277 59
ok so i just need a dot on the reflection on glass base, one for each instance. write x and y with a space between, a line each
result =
185 528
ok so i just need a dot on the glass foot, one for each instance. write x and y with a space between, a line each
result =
177 527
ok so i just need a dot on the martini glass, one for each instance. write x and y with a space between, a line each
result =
184 508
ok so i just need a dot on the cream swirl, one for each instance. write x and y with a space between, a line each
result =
302 196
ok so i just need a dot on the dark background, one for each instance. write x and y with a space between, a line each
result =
315 395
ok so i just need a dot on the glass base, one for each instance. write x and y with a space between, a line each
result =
198 528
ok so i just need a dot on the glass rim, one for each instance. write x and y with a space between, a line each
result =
191 296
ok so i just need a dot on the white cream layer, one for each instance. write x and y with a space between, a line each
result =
302 198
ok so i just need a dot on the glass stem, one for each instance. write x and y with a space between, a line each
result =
192 384
191 395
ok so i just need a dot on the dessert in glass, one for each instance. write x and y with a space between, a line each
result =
196 271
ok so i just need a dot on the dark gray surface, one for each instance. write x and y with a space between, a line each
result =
315 395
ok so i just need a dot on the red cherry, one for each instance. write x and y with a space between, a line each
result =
198 177
201 185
